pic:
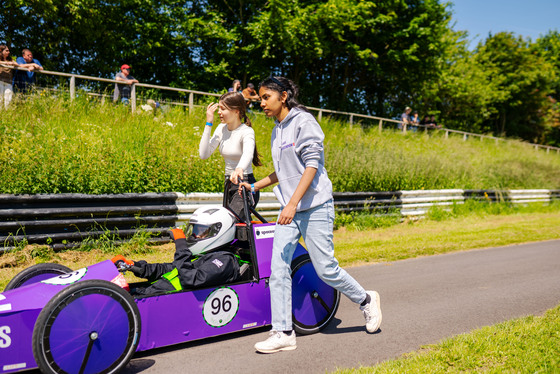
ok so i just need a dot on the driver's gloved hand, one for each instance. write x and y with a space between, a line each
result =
177 234
122 263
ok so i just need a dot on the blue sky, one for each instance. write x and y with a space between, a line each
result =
529 18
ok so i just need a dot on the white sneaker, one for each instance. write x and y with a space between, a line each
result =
372 312
276 342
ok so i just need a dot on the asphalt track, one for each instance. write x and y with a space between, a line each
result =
423 301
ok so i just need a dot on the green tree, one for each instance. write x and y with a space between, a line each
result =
548 46
371 56
524 78
95 37
463 94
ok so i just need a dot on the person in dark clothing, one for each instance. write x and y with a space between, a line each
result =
198 260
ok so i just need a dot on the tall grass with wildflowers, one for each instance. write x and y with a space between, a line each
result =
53 145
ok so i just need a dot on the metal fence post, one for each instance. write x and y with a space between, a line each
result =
133 98
72 87
191 102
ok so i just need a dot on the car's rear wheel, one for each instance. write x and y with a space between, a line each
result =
89 327
314 303
36 273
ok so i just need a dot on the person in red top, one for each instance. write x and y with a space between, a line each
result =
123 90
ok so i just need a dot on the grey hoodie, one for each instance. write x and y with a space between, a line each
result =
297 143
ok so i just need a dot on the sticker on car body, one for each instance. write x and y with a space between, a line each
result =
66 279
5 339
265 232
4 307
220 307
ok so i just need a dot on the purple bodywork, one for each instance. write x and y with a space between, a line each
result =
166 319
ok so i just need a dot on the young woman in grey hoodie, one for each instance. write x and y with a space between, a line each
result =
305 193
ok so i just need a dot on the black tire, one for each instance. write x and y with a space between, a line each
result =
36 273
89 327
314 303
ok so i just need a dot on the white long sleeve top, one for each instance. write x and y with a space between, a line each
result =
236 147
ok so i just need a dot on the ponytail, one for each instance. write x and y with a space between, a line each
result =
256 155
280 85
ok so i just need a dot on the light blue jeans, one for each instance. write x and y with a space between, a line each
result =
315 225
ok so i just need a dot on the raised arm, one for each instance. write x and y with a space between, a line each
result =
209 144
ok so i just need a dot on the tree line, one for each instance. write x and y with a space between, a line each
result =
373 57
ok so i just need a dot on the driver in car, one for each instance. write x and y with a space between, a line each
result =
201 256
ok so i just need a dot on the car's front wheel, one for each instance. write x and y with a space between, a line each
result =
89 327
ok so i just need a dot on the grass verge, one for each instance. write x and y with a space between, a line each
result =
525 345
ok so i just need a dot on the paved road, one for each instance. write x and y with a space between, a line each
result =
423 300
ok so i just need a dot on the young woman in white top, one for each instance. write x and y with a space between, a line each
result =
236 140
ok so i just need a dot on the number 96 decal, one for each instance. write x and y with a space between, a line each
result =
220 307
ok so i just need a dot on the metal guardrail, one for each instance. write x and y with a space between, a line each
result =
65 220
320 111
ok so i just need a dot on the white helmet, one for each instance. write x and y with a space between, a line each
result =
209 228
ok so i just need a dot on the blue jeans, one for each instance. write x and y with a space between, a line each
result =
315 225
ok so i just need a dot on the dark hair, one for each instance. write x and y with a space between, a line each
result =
281 84
236 101
2 48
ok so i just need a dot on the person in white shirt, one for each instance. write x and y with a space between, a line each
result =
236 140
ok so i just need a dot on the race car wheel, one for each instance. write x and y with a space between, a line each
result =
314 303
36 273
89 327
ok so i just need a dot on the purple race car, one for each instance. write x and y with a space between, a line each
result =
86 321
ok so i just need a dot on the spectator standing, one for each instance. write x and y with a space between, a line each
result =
405 119
6 75
414 121
235 86
24 80
305 192
250 93
123 90
433 122
426 121
235 138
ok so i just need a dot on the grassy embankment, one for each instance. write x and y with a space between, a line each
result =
50 145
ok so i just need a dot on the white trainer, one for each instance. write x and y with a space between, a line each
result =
276 342
372 312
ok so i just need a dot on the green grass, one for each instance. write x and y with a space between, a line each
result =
525 345
468 226
52 145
